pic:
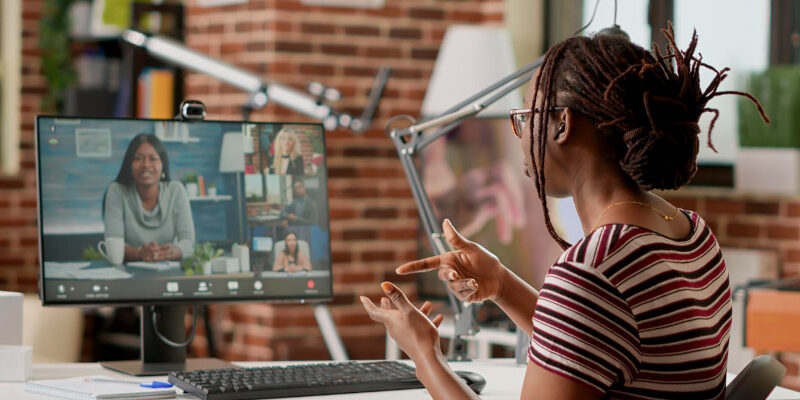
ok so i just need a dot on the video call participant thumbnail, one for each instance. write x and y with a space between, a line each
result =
302 209
288 159
146 208
291 258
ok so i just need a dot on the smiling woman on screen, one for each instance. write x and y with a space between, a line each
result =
146 208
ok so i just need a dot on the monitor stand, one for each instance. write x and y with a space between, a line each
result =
158 358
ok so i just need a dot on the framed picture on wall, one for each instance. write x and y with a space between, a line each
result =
93 143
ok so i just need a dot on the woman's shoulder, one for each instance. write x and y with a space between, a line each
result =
116 188
173 188
612 243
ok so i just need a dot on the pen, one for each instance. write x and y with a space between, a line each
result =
154 384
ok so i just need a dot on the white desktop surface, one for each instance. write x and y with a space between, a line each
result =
503 381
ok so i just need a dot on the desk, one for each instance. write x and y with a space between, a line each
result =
503 381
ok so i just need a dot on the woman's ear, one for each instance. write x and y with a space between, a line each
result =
565 122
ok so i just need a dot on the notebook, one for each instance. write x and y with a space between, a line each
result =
83 387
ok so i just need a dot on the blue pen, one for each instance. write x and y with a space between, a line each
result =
153 385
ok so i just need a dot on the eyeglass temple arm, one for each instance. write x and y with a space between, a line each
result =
476 103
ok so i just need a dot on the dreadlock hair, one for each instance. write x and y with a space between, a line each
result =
646 104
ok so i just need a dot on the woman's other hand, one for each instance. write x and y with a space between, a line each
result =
472 273
409 326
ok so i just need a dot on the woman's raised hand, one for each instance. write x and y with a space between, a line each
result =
471 272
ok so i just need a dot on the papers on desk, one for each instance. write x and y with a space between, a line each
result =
154 266
85 388
78 270
101 274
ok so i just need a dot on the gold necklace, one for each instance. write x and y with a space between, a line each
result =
619 203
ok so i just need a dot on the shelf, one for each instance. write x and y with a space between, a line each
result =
180 140
221 197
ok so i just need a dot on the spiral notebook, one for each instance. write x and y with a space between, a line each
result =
84 388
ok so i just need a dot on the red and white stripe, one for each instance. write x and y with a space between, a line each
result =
636 315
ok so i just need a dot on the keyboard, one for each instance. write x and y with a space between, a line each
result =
296 380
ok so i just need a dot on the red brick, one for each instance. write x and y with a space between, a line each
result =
293 47
356 277
405 33
317 69
426 13
362 30
359 234
793 210
741 230
232 48
384 52
256 46
783 232
761 208
381 173
342 172
383 213
363 71
317 28
372 256
792 255
405 73
387 11
724 206
339 49
11 183
400 234
466 16
683 202
280 26
340 213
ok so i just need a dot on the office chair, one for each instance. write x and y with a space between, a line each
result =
756 380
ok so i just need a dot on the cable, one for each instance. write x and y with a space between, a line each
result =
615 12
596 3
164 339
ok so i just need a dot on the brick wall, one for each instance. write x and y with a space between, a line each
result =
18 229
373 218
760 222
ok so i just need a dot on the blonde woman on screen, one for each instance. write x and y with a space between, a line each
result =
288 159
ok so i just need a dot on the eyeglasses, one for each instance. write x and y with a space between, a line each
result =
520 118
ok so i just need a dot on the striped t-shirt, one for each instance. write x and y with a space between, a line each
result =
636 315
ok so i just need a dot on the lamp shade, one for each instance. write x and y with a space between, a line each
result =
471 58
231 156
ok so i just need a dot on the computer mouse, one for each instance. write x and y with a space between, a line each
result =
474 380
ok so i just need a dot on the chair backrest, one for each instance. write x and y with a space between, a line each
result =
281 244
756 380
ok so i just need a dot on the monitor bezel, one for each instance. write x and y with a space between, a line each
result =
182 300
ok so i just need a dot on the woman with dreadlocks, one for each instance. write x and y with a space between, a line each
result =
641 306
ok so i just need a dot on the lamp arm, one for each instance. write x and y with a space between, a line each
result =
408 140
176 53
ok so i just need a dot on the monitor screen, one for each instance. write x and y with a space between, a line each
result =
155 211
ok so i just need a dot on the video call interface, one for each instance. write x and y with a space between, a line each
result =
153 210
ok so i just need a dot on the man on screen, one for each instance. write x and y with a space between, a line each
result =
302 210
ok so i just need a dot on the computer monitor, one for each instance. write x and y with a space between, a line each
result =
162 212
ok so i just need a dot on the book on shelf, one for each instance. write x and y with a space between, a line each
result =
155 92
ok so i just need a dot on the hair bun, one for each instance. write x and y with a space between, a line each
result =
658 159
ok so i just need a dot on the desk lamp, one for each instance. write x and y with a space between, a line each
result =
410 139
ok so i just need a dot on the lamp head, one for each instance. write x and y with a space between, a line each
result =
614 31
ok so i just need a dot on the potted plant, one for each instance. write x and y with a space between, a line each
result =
212 189
200 260
190 181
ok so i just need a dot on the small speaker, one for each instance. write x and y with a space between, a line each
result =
10 318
